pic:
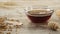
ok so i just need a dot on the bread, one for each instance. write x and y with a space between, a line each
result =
2 19
53 25
58 13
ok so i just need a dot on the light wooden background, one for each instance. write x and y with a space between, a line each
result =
28 29
50 3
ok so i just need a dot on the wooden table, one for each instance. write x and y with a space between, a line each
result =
29 28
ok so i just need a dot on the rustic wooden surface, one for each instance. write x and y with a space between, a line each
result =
29 28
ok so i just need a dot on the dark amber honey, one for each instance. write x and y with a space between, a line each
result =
38 18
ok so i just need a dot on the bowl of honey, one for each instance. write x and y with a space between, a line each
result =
38 14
